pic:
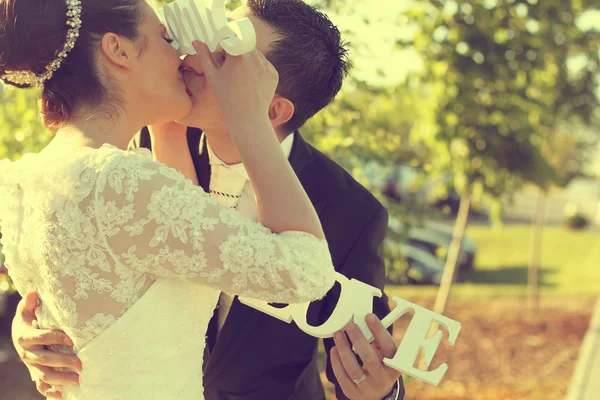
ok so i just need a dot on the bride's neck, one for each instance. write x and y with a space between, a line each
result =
94 129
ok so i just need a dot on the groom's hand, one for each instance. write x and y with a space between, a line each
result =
374 380
29 343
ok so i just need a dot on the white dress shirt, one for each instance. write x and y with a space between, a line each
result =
246 205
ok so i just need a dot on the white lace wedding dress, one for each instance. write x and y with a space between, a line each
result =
129 258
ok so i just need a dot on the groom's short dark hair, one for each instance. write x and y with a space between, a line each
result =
310 56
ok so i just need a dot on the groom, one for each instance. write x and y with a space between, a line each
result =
253 356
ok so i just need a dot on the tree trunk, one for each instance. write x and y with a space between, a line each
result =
535 253
441 300
460 227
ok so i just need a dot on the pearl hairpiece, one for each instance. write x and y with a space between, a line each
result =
28 77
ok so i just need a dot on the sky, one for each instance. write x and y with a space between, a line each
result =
378 41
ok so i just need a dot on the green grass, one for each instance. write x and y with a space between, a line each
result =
570 264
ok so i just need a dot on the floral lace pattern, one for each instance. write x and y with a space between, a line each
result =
93 232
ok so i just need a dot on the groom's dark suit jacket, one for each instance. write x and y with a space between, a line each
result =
258 357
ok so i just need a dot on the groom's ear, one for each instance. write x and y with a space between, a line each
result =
280 111
116 50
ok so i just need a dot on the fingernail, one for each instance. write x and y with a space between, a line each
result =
351 327
196 44
68 341
371 318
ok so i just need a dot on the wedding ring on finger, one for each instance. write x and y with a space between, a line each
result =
359 380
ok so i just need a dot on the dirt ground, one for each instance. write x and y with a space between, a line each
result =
502 353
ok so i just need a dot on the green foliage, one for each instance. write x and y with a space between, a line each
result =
571 149
370 124
21 130
498 70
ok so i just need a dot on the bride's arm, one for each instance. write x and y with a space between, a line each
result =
156 222
152 220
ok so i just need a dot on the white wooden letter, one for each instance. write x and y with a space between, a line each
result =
206 20
416 337
355 302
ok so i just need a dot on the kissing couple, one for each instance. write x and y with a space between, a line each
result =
130 236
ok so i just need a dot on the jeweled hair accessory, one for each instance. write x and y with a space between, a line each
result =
28 77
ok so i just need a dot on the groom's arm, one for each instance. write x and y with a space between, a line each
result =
365 263
30 344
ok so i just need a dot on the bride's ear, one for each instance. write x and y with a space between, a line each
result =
117 50
280 111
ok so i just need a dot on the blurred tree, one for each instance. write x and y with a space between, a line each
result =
367 130
499 72
369 123
571 150
21 130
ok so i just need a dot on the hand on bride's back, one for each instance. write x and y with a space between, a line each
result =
31 343
243 86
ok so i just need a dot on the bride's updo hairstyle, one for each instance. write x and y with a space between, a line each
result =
33 32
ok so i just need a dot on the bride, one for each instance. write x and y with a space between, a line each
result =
129 257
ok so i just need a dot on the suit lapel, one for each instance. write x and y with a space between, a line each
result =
199 152
242 319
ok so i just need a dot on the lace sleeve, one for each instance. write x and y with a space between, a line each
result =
155 221
6 175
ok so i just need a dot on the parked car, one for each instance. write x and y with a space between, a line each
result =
583 198
468 247
435 239
403 183
421 267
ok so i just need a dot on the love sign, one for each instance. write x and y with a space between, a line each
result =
355 302
206 20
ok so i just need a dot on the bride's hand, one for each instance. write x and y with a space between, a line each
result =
243 86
